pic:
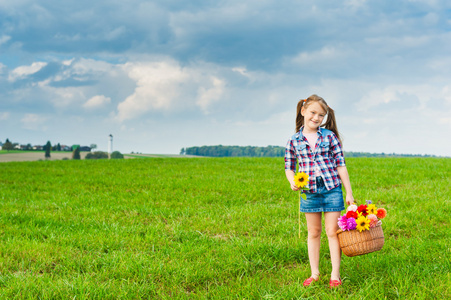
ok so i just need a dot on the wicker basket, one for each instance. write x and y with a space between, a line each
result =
354 243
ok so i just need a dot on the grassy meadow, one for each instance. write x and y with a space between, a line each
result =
211 228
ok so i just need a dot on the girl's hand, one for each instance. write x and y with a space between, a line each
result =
349 199
293 186
290 176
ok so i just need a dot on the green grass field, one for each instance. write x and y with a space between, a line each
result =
211 228
15 151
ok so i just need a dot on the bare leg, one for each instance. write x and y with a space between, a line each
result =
314 241
330 221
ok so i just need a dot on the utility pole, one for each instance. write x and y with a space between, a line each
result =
110 146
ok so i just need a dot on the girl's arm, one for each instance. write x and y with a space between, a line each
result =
344 176
290 176
290 164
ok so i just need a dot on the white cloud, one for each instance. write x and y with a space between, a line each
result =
428 2
165 85
86 66
323 55
355 3
445 121
211 94
62 97
402 94
431 19
68 62
98 101
446 94
252 76
4 39
115 33
2 68
157 86
24 71
33 121
4 116
397 43
71 83
377 97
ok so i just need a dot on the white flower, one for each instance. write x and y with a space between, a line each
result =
351 207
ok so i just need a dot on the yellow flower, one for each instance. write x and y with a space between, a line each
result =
363 223
371 209
301 179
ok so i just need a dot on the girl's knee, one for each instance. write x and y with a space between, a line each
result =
315 232
331 232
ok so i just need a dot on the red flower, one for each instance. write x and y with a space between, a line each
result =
351 214
363 209
381 213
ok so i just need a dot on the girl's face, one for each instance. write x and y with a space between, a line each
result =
313 116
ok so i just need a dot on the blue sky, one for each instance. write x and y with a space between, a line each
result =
162 75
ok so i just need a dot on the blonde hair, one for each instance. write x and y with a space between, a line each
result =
330 123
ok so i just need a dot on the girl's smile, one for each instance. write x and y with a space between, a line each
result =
313 116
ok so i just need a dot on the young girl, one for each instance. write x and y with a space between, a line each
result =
319 154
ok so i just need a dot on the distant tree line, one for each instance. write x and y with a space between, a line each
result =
222 151
271 151
367 154
8 146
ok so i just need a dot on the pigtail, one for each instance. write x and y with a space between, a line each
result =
299 116
331 123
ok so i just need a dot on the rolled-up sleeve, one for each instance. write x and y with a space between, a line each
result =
290 156
337 152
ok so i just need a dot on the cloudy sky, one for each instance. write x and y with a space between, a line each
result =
165 74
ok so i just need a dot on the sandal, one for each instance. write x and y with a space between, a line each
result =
334 283
309 281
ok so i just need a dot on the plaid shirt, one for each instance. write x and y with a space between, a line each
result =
328 156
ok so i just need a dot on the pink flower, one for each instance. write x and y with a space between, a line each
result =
351 224
373 220
343 223
351 207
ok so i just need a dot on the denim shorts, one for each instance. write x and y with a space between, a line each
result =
323 200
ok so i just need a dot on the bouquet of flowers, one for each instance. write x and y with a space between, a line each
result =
360 231
362 217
